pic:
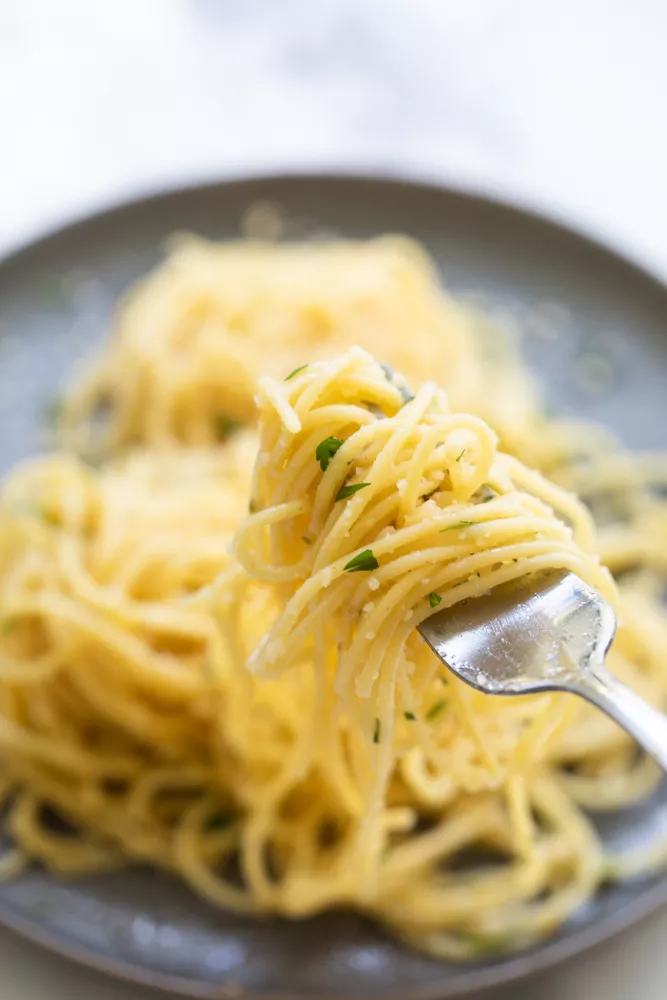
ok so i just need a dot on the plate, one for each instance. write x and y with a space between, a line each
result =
576 300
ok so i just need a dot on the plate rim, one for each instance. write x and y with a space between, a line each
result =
537 210
483 977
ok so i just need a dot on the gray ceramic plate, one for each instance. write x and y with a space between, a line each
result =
578 302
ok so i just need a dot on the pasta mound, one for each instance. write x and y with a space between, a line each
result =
209 658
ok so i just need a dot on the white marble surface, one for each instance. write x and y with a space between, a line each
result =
560 104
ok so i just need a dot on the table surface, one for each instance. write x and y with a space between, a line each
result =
558 105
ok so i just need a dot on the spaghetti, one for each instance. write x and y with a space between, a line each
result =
240 696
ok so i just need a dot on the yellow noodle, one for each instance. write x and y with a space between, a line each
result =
190 676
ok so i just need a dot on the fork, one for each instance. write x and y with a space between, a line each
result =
546 633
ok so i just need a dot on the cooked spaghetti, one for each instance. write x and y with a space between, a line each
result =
193 338
217 670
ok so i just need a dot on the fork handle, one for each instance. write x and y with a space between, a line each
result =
646 724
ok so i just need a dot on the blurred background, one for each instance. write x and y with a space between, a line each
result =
558 106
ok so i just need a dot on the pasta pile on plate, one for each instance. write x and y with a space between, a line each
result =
209 658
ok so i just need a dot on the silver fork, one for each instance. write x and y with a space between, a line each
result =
546 633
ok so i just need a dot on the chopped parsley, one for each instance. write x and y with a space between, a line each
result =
427 496
461 455
459 524
306 539
53 410
224 425
326 450
434 599
410 716
436 709
376 731
346 491
486 943
252 507
295 372
363 562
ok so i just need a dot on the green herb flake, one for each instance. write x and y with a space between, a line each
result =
225 425
252 507
427 496
488 944
612 871
461 455
436 709
326 450
410 716
306 539
363 562
434 599
294 373
346 491
53 410
376 731
459 524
